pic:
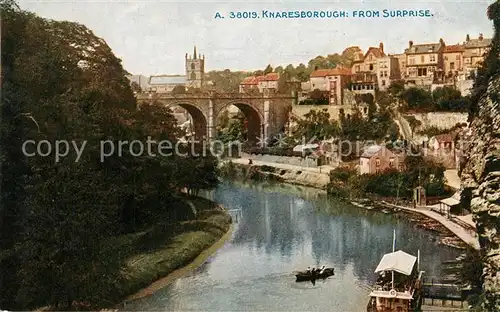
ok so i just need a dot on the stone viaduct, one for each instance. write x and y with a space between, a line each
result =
266 113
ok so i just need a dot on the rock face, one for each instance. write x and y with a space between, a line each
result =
481 177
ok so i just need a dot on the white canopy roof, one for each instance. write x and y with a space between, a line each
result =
301 148
398 261
450 201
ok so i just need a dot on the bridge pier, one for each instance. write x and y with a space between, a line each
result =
266 113
211 121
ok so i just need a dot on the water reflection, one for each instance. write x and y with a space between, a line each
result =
286 228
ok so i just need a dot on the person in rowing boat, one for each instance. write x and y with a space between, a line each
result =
308 270
322 270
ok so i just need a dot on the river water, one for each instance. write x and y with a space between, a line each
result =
284 228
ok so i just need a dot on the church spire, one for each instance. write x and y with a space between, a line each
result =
194 55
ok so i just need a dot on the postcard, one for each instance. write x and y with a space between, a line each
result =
250 155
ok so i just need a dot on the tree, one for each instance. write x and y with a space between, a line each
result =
396 88
179 90
59 217
417 98
268 70
135 87
316 125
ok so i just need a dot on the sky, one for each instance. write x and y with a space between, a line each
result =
152 37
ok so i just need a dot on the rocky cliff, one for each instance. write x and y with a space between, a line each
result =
480 172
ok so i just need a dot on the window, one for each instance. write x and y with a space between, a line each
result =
383 83
371 66
377 162
391 162
412 61
422 58
370 58
357 68
445 58
422 72
433 58
452 65
458 57
192 65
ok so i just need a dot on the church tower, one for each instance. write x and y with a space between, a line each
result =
195 70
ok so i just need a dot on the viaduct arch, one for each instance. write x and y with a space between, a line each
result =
266 113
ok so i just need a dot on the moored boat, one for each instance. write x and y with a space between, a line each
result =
399 284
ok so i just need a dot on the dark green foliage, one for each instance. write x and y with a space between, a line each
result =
179 90
491 65
418 99
379 124
231 129
441 99
56 217
316 125
347 182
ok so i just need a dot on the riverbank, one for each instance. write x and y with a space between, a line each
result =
153 258
450 233
183 271
315 177
194 241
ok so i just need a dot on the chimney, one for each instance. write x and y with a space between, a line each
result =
381 47
410 43
194 54
480 37
467 38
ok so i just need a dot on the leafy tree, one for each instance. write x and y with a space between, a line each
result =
417 98
445 96
268 70
135 87
179 90
226 80
58 217
316 125
396 88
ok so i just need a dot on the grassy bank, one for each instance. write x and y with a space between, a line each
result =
145 257
153 254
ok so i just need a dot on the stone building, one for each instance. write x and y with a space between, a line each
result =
193 78
259 83
474 53
195 70
377 158
387 71
424 63
453 61
333 80
364 70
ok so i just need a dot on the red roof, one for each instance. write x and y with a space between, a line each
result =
453 48
269 77
249 81
257 79
339 71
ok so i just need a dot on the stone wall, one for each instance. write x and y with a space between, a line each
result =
480 175
295 161
333 110
440 120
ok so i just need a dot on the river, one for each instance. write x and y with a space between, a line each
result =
284 228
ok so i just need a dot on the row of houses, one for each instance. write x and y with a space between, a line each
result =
427 65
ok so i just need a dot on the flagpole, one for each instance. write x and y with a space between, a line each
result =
393 250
